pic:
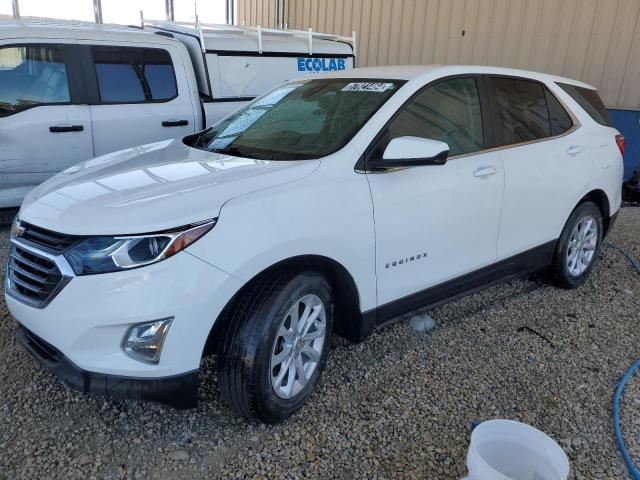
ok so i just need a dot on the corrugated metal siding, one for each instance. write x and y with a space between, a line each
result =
256 12
597 41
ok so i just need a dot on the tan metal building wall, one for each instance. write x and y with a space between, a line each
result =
597 41
256 12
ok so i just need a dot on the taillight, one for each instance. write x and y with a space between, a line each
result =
620 142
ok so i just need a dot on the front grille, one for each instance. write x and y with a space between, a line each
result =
32 278
58 242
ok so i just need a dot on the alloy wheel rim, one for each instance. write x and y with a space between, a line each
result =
297 348
582 246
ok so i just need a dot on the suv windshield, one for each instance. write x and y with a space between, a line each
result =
300 120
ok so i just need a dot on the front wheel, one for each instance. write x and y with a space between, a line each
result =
577 247
276 346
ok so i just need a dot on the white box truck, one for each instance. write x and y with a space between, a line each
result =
73 91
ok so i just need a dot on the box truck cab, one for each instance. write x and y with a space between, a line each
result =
73 91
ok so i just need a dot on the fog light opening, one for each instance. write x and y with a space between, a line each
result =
143 341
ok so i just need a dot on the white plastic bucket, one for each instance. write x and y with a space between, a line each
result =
508 450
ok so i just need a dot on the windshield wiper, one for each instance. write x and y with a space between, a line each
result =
238 152
231 150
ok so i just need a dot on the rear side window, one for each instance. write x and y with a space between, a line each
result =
448 111
558 116
522 109
32 75
590 101
528 111
134 75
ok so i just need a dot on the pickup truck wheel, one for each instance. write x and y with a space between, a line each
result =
578 247
276 346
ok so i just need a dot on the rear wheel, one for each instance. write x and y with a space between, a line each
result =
578 246
276 346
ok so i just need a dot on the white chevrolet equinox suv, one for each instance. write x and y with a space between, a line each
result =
333 203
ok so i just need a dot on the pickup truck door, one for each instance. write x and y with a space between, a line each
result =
141 95
436 223
45 125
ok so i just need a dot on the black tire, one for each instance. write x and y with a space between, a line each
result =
7 215
244 361
559 274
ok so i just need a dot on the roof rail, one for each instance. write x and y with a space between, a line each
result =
258 31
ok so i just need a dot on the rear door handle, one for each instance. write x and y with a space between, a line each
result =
62 128
485 171
175 123
575 150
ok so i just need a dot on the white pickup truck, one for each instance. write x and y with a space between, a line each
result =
73 91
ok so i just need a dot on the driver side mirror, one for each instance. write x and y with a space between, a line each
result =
412 152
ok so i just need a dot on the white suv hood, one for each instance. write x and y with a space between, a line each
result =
150 188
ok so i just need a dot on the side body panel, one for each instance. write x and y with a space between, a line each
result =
119 126
606 159
544 182
30 152
302 217
244 75
435 223
608 165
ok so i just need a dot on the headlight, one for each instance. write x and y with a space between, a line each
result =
16 228
111 254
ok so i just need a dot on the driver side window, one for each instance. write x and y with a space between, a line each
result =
448 111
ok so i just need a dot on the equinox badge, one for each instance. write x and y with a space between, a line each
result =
402 261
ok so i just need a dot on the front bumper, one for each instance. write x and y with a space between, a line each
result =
179 391
88 319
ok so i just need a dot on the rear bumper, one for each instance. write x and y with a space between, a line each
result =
178 391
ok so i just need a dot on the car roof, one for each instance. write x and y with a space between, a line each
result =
427 72
70 30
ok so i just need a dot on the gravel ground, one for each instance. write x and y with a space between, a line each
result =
399 405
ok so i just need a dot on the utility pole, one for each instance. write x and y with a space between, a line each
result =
16 8
97 10
168 5
231 12
280 14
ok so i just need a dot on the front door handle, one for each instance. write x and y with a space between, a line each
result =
483 172
62 128
175 123
575 150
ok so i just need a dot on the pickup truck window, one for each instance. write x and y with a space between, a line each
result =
134 75
301 120
32 75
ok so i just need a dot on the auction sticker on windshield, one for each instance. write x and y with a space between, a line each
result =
367 87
